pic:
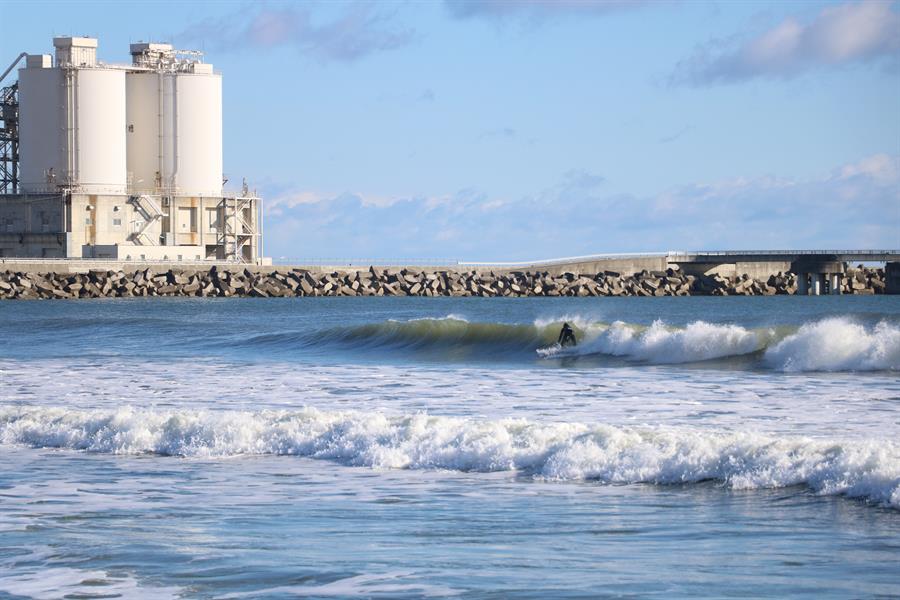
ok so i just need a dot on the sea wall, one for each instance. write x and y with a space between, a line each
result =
237 281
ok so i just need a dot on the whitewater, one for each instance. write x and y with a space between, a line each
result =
406 447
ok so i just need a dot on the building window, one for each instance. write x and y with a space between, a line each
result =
117 222
87 220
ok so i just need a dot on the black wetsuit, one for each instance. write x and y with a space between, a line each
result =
566 336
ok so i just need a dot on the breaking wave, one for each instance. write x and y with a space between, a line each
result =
832 344
866 469
838 345
660 344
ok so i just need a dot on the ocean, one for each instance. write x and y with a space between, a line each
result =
445 447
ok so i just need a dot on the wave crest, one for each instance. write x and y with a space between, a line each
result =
661 344
566 451
838 345
832 344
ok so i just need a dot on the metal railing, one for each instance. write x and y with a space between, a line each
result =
672 254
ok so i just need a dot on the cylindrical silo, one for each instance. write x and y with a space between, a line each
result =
72 122
99 131
144 144
175 130
41 126
197 123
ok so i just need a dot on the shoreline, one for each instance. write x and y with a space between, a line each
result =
239 281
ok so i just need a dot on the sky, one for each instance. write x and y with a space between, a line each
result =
488 130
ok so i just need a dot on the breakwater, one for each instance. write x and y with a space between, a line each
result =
236 281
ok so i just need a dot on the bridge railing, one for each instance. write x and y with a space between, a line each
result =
673 254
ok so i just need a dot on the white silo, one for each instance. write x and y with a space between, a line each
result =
72 121
174 116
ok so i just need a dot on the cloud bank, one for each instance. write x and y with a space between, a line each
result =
358 31
855 205
854 32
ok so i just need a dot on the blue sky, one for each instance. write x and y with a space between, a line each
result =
489 130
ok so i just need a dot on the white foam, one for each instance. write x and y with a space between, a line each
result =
838 344
832 344
661 344
49 583
867 469
357 586
448 317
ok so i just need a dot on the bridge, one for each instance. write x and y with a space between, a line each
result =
816 270
786 255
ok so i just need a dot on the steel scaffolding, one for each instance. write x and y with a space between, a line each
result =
238 234
9 139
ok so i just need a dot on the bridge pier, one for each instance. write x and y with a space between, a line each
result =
816 283
817 272
834 284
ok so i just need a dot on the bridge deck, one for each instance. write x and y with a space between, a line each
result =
785 256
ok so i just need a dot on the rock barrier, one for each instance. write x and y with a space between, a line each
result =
239 282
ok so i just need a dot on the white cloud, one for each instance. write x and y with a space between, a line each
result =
848 33
360 30
880 167
857 204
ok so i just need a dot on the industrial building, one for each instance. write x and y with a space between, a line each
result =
122 162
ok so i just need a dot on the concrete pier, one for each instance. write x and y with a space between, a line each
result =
818 272
834 284
818 284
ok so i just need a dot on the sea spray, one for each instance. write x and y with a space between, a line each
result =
838 344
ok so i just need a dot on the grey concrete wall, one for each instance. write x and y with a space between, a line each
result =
757 270
29 226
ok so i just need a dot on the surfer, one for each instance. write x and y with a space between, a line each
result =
566 336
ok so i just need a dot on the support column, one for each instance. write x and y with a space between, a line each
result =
834 280
817 283
815 269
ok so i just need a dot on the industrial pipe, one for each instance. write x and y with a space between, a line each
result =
12 66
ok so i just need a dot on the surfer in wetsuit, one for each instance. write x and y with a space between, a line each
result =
566 336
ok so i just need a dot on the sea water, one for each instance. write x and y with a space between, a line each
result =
431 447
